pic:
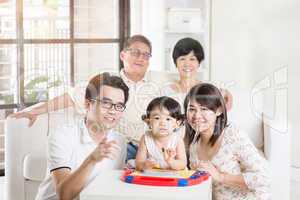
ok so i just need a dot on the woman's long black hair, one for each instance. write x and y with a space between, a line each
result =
209 96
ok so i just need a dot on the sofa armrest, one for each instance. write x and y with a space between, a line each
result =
34 167
277 151
21 140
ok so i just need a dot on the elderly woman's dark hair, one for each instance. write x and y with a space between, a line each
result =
92 90
167 103
209 96
186 46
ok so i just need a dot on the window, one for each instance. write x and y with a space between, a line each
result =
47 45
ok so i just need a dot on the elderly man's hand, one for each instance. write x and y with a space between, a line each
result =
228 98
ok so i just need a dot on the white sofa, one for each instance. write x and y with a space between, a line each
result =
26 152
26 148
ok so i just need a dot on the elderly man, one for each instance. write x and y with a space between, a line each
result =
142 88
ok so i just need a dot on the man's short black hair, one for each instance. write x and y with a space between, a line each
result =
93 89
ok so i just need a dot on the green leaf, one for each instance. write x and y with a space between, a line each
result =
33 91
33 83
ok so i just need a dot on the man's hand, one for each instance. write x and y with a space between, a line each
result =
105 149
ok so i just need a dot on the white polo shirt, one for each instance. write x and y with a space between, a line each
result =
68 147
140 94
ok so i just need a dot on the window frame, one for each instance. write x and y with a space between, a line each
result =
20 42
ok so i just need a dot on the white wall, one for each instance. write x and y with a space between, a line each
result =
91 17
251 40
150 19
153 23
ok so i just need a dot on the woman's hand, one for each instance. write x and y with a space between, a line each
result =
210 168
194 166
31 115
105 149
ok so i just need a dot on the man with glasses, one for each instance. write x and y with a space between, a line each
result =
78 152
107 103
142 84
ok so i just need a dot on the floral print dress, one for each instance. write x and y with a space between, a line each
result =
237 155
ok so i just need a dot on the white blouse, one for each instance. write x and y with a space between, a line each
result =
237 155
156 153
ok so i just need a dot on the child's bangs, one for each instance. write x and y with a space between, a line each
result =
173 110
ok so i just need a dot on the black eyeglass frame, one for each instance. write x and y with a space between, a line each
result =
104 102
138 53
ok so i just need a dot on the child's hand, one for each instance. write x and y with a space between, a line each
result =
150 164
169 155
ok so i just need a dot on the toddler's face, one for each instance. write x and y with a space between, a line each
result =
161 123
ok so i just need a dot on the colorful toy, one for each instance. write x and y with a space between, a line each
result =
159 177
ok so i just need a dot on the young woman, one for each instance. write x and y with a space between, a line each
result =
237 169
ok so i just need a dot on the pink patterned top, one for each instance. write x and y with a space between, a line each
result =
237 155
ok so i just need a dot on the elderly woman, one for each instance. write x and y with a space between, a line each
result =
188 54
237 169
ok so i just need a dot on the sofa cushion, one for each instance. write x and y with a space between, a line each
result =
31 189
34 167
245 115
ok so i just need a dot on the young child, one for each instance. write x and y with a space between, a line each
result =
162 146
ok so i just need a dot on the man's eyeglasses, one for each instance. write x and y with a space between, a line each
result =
137 53
108 104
